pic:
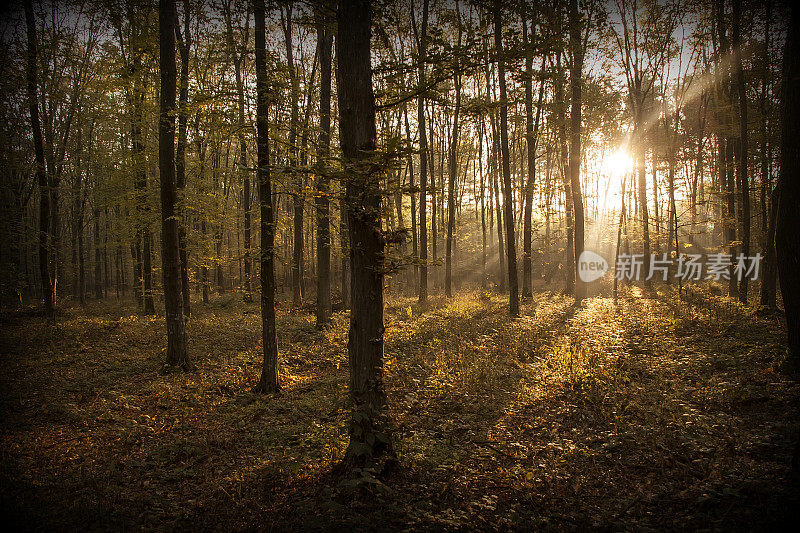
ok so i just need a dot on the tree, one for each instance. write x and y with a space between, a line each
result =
787 238
41 176
741 177
531 133
421 38
325 43
297 194
453 171
508 197
269 372
576 70
177 355
370 444
184 44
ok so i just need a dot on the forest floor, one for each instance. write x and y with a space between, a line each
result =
654 413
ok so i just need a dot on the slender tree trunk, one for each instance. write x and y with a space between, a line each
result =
370 441
184 42
569 250
453 171
325 43
744 181
576 71
41 175
297 194
177 355
508 197
423 157
769 197
98 281
269 373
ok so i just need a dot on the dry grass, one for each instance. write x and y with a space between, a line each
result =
650 414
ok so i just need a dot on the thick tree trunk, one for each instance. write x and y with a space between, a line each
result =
370 443
269 372
177 355
508 197
787 238
325 43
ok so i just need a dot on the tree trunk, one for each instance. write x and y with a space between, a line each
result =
184 42
508 197
576 70
170 255
370 442
423 158
453 171
744 181
41 176
269 373
787 238
297 194
98 286
325 43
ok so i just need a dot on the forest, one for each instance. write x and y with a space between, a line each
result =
400 265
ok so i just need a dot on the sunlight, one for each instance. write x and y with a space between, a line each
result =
617 164
614 167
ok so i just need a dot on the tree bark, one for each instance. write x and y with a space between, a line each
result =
742 178
575 140
453 171
41 176
370 443
508 197
177 355
423 156
269 372
325 43
184 44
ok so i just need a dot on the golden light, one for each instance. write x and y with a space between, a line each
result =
617 163
614 167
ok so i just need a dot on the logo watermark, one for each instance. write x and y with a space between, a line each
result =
591 266
688 267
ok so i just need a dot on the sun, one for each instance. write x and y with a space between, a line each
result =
617 164
614 167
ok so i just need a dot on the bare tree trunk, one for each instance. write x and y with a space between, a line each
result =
769 196
453 171
184 43
421 38
269 373
744 181
569 250
98 286
41 176
787 238
370 443
170 256
531 131
297 194
508 197
576 71
325 44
